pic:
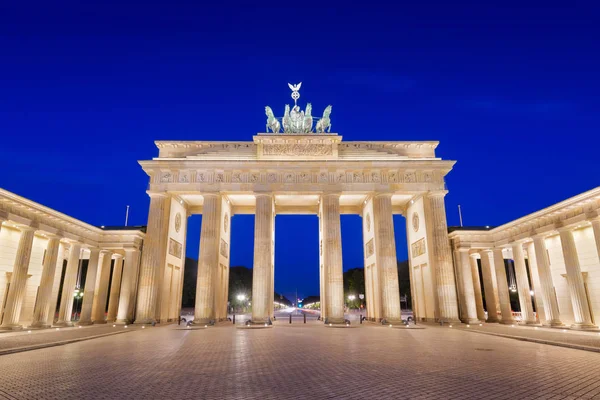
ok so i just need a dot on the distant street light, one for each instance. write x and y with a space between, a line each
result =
351 297
241 297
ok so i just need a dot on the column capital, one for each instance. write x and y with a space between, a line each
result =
157 194
595 219
566 228
381 194
463 249
104 252
540 236
437 193
213 195
488 251
118 255
131 249
263 194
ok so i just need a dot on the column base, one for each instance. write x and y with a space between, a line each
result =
556 324
449 321
64 324
11 328
99 322
584 326
147 321
392 321
203 321
492 320
40 325
335 321
85 323
123 321
112 320
530 323
507 321
471 321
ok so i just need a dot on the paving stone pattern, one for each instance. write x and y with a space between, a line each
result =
566 336
10 340
304 362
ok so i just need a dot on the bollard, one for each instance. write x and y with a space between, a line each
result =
304 318
233 319
290 318
179 320
361 318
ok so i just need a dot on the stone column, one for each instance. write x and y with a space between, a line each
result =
208 260
579 301
18 281
502 281
477 288
115 289
65 310
596 228
42 306
546 287
153 256
534 278
263 248
383 224
101 294
90 287
128 286
527 316
466 274
332 258
491 300
435 214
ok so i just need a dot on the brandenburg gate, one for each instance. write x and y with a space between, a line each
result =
294 168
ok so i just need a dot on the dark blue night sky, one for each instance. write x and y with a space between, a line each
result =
511 92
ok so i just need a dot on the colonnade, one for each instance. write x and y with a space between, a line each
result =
533 276
213 265
121 298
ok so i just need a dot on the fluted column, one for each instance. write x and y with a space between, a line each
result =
527 315
90 287
502 281
65 310
579 301
153 256
468 291
101 293
546 288
208 259
385 244
128 286
18 281
534 278
596 228
115 289
491 300
42 306
332 258
263 248
435 214
477 288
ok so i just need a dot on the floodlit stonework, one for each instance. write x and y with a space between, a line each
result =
555 253
312 173
39 247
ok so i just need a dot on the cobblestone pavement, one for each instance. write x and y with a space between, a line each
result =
304 362
25 338
563 336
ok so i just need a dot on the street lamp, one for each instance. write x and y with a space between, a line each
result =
241 298
78 294
351 297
